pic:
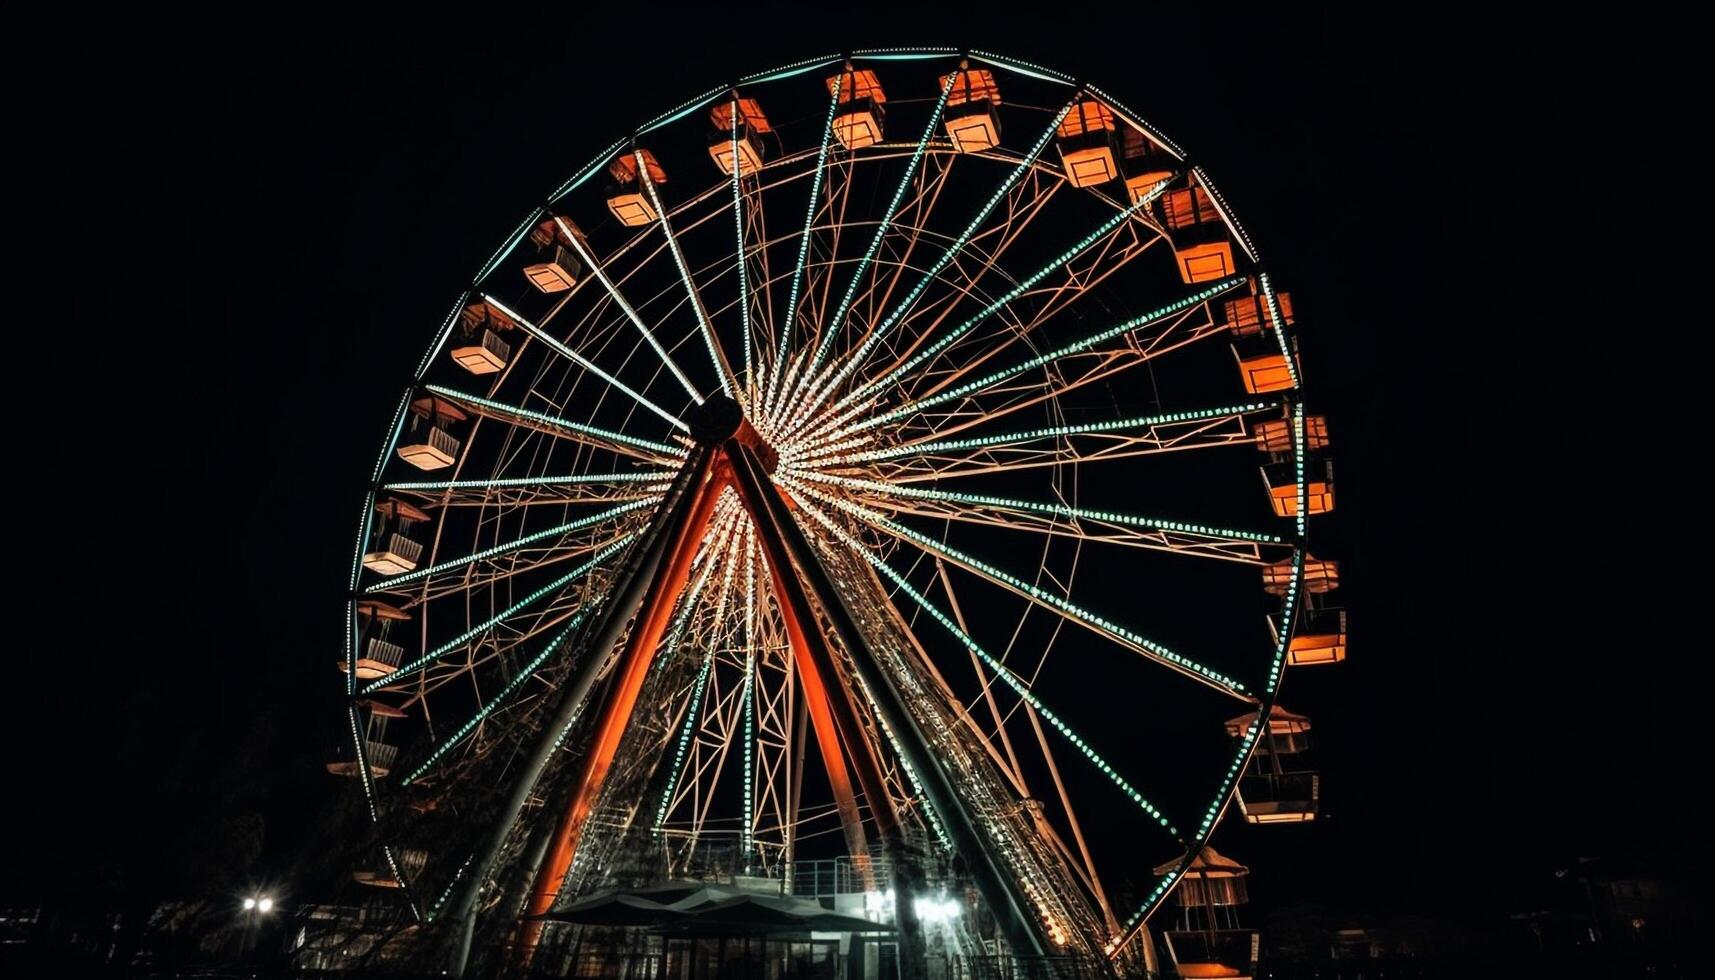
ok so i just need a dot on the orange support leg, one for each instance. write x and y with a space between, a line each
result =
629 675
822 720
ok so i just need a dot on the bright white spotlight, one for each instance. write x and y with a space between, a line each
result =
249 903
264 905
931 909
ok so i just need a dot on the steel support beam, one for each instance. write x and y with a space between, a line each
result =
634 579
788 548
627 677
820 707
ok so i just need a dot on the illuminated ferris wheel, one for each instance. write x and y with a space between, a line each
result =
858 462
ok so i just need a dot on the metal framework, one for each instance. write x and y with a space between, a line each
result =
795 496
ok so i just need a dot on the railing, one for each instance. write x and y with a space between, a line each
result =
402 547
382 651
492 343
411 861
380 755
439 440
836 876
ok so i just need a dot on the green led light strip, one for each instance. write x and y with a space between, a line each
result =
512 610
661 476
512 685
1024 67
1008 677
589 170
387 852
579 427
585 363
749 692
678 254
787 71
680 111
1077 249
675 774
787 322
1148 647
743 260
435 348
1278 322
684 742
511 243
1058 510
362 757
959 391
1050 432
501 549
447 892
905 306
839 318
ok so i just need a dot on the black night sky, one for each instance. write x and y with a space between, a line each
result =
233 245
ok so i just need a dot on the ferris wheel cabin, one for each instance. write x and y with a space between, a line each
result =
861 112
1207 940
481 350
1201 239
626 197
1277 786
1087 140
1257 347
972 116
752 126
378 754
1143 164
390 552
1319 639
428 442
559 268
379 656
410 862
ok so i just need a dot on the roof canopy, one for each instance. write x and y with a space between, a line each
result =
1280 722
1209 863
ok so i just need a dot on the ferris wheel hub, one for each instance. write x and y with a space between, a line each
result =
719 419
716 420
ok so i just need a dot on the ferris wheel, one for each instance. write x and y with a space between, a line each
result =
858 461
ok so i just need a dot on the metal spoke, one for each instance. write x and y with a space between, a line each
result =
850 404
393 581
1173 309
743 260
631 314
561 349
1206 540
1052 601
787 322
655 452
1012 680
858 357
716 355
479 629
1159 432
833 326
